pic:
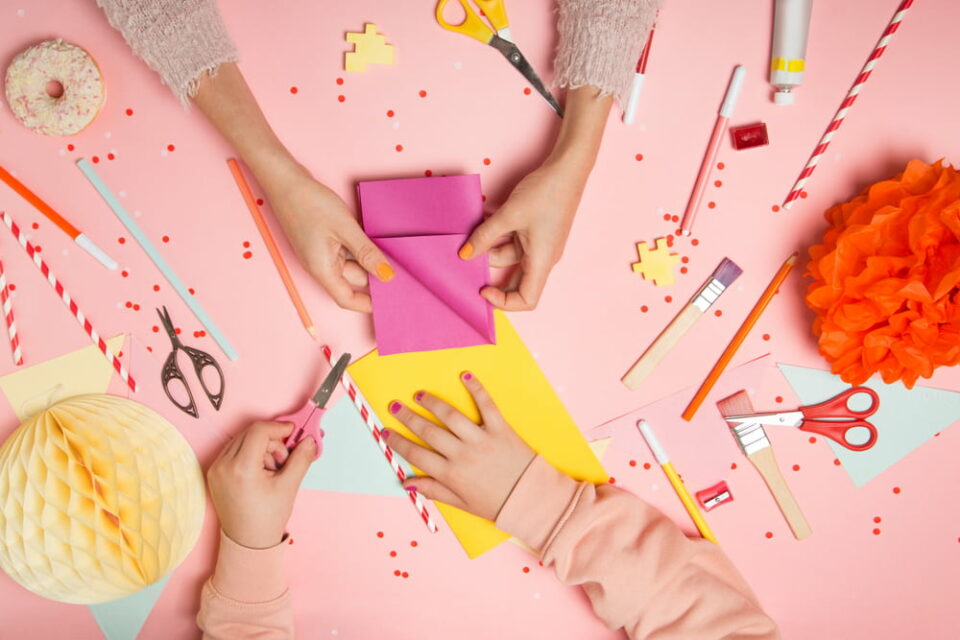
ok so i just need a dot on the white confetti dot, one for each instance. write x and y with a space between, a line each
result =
660 211
536 596
456 65
119 305
642 126
654 487
136 214
395 125
334 632
164 153
536 355
21 13
561 389
739 287
107 135
65 252
62 152
122 194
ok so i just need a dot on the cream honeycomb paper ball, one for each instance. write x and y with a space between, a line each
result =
100 498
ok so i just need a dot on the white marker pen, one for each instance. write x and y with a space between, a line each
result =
791 23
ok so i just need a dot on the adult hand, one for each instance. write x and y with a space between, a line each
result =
327 238
536 219
252 497
470 466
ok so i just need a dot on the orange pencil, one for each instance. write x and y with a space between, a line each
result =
738 339
81 239
271 247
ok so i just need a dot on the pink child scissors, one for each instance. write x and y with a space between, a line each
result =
833 418
306 421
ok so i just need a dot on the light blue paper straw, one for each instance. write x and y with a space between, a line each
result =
154 255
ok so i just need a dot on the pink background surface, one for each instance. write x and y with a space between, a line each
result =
844 582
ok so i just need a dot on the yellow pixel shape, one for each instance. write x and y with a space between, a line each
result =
369 48
656 264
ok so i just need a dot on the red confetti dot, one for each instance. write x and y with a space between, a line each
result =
766 336
796 467
612 480
836 462
110 156
165 238
778 399
397 573
775 208
526 569
393 554
718 183
486 161
646 465
812 439
769 534
413 543
170 147
70 147
639 157
675 219
129 304
526 91
405 574
196 334
668 298
290 541
35 225
633 463
389 113
37 248
129 112
876 519
177 330
423 94
666 217
685 259
246 244
428 173
293 90
341 98
896 489
247 255
876 532
150 349
156 329
122 240
721 166
156 287
644 309
191 290
803 194
339 80
670 240
683 269
399 147
379 534
718 313
96 159
695 242
733 466
711 205
136 307
12 287
202 333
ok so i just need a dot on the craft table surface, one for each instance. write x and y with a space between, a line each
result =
457 107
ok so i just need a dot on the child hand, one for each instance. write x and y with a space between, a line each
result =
252 498
472 467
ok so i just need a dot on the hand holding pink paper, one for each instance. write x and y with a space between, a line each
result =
433 301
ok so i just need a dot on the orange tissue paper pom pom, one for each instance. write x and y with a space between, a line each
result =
886 288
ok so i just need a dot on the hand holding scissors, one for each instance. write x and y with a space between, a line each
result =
497 37
306 421
833 418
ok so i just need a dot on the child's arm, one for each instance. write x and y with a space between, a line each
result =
247 596
639 571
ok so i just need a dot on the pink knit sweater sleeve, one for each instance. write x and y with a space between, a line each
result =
637 568
247 596
179 39
600 41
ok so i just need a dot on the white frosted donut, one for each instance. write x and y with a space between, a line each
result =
55 61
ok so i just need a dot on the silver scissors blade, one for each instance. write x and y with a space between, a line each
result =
786 418
512 53
330 383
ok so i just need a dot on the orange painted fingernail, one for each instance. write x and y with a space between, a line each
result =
384 272
465 251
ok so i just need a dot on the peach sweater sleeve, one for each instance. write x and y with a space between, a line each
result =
247 596
637 568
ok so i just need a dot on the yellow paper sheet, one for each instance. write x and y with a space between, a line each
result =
37 387
517 385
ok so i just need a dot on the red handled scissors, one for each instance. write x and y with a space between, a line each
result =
833 418
306 421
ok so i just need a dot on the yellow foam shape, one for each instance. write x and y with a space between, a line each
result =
656 264
369 48
35 388
517 385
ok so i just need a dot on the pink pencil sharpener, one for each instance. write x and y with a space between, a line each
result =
749 136
714 496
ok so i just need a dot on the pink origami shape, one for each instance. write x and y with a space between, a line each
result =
433 301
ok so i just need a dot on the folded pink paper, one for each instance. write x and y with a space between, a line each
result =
433 301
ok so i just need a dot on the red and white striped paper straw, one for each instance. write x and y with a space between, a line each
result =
847 103
373 423
9 319
68 301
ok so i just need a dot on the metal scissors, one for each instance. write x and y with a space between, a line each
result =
201 360
306 421
833 418
497 37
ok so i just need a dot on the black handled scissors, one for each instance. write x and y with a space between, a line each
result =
201 360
